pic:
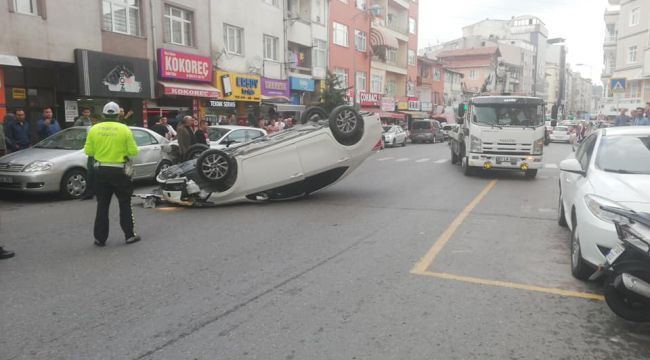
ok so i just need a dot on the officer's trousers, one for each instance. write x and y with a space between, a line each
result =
109 181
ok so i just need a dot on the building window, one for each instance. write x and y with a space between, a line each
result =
391 55
631 54
391 87
26 6
635 14
234 39
178 26
340 34
319 54
376 85
360 40
473 74
361 4
360 81
412 59
271 2
342 75
412 28
271 47
122 16
436 74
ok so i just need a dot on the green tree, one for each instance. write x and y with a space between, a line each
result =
334 93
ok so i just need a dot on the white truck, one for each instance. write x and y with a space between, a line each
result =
499 132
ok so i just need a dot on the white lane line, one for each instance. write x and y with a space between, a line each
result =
441 161
422 160
385 158
402 159
550 166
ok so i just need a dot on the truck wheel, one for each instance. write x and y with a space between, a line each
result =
346 125
467 170
530 174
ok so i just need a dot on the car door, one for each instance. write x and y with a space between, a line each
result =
149 155
253 134
574 182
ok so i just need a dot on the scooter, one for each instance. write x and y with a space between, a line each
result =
627 267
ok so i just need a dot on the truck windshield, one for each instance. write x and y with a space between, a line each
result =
508 115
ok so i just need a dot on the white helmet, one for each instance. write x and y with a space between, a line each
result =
111 109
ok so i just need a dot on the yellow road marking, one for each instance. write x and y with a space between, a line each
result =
426 261
510 285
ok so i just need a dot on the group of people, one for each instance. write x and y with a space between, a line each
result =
638 117
189 131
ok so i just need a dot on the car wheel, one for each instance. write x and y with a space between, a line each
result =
216 168
74 184
394 144
194 151
579 267
624 303
162 166
314 114
467 170
346 125
531 174
561 219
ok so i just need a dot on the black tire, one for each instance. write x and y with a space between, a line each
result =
216 168
579 267
624 303
162 165
561 216
467 170
313 114
346 125
531 174
74 184
194 151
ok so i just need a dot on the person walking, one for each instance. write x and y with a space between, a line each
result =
112 145
84 119
47 125
19 134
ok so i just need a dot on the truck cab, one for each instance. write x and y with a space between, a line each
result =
499 132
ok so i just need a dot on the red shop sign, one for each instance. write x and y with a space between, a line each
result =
181 66
370 99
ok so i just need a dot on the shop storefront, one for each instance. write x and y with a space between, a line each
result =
242 89
185 83
105 77
276 100
382 105
303 90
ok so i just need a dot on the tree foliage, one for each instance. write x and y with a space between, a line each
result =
334 93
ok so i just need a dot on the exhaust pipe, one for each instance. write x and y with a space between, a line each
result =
636 285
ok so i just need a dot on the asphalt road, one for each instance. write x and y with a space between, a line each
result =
349 273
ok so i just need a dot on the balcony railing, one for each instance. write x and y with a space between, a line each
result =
610 39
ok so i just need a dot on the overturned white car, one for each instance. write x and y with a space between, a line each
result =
289 164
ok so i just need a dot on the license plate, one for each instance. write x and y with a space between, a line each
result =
615 253
6 179
503 159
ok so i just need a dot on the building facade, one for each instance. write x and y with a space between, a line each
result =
476 65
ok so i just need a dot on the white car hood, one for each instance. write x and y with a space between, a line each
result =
629 190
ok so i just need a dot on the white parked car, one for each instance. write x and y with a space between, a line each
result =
289 164
394 135
223 136
611 167
560 133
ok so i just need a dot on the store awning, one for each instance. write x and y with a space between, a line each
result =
189 89
275 99
417 114
382 37
9 60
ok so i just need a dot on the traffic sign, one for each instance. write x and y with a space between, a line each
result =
617 85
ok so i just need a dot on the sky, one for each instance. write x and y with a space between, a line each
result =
579 22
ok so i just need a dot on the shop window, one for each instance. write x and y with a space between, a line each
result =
121 16
178 26
234 39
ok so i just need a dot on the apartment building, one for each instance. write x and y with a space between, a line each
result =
430 87
453 86
474 64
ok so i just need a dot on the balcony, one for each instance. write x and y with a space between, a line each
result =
299 59
610 40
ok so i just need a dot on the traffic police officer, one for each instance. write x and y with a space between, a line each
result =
112 144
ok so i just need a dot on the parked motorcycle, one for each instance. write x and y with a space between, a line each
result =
627 267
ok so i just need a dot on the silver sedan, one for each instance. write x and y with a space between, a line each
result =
58 163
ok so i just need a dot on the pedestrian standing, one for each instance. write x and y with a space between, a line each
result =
112 145
622 119
185 136
160 129
3 142
171 133
19 134
47 125
201 133
84 119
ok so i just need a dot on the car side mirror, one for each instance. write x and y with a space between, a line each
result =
572 166
461 110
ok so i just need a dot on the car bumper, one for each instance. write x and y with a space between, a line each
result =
424 137
596 236
36 182
560 138
505 161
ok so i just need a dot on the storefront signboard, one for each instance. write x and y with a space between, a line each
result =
19 93
272 87
414 105
221 104
181 66
302 84
387 103
108 75
370 99
426 106
71 110
239 87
